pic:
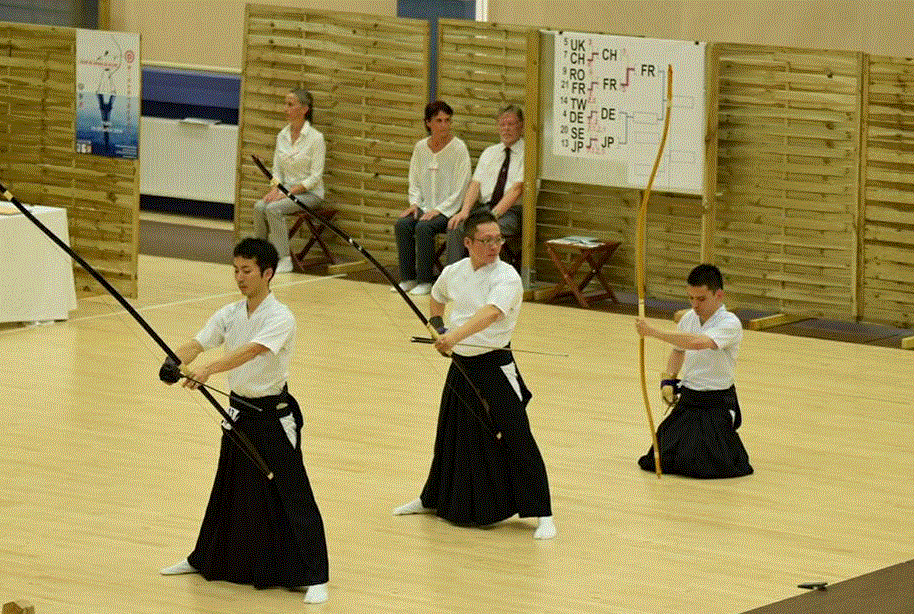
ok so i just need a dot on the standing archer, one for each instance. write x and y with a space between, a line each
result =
476 478
256 531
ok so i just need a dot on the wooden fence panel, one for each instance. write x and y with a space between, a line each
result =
369 79
788 160
481 68
888 219
39 162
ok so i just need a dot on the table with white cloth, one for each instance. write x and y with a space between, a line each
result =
38 276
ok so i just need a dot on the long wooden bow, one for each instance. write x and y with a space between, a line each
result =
486 421
642 227
238 437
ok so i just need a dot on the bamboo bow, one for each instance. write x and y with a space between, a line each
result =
642 224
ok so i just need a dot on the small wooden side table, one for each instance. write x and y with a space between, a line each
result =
595 254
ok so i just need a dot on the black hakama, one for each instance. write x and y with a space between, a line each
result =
699 439
476 479
259 531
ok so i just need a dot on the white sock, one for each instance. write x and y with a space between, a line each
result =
413 507
547 529
178 568
316 593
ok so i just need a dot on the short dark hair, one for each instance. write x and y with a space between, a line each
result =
477 218
433 108
512 108
305 98
706 275
260 250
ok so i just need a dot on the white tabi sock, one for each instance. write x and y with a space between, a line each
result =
316 593
547 529
178 568
413 507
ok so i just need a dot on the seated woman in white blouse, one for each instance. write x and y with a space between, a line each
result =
439 173
298 163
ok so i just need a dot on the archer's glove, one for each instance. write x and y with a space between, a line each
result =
669 389
170 372
437 323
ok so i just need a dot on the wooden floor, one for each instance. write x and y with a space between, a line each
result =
105 472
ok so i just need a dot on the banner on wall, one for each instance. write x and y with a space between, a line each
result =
107 93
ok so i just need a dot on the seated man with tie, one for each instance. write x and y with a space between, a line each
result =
497 184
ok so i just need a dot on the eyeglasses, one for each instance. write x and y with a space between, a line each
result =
496 241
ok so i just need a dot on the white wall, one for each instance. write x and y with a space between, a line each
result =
883 27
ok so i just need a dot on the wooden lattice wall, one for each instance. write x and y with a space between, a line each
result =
887 263
788 169
38 160
814 212
369 78
482 67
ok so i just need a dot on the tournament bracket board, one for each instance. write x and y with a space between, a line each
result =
608 103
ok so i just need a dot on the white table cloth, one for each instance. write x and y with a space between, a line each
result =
37 282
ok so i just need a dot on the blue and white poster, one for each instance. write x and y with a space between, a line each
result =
107 93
